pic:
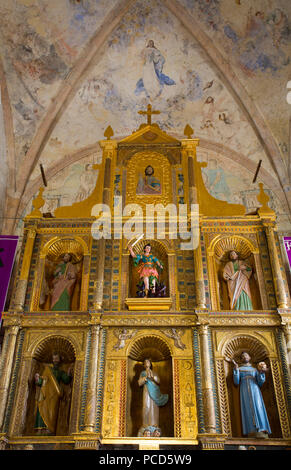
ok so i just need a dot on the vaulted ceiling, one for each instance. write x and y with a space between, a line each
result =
70 68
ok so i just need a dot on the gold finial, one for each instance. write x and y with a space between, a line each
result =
265 210
108 132
37 203
149 113
263 198
188 131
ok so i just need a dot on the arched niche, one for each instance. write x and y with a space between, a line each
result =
218 255
155 348
51 256
258 352
159 250
42 358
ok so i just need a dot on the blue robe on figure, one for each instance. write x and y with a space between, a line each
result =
253 411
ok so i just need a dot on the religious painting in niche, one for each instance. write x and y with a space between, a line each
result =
148 183
153 79
237 282
61 285
149 398
148 179
50 389
148 271
251 393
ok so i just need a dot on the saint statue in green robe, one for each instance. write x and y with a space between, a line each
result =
237 274
65 276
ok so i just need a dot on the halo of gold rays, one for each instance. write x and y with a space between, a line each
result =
151 347
65 245
253 347
227 244
54 344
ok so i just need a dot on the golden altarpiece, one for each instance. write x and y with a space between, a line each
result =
190 331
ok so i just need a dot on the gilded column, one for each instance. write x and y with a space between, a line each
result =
99 283
12 333
23 278
173 280
287 333
260 276
207 389
199 278
189 152
189 157
85 282
109 155
124 279
91 398
280 289
17 420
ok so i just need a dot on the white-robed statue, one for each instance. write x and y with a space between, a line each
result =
255 421
152 398
153 79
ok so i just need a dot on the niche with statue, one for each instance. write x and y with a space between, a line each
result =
50 388
251 393
236 275
150 389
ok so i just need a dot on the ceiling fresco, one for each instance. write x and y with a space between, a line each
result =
220 66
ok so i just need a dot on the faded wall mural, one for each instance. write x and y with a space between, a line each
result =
256 38
40 41
150 57
173 74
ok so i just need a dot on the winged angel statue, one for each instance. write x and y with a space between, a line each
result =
176 335
122 334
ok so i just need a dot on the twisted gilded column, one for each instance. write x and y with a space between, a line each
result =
207 389
11 333
17 419
280 290
287 334
91 397
23 278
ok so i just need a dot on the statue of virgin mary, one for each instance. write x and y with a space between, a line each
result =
153 79
152 397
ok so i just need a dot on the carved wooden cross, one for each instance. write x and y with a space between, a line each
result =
149 113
